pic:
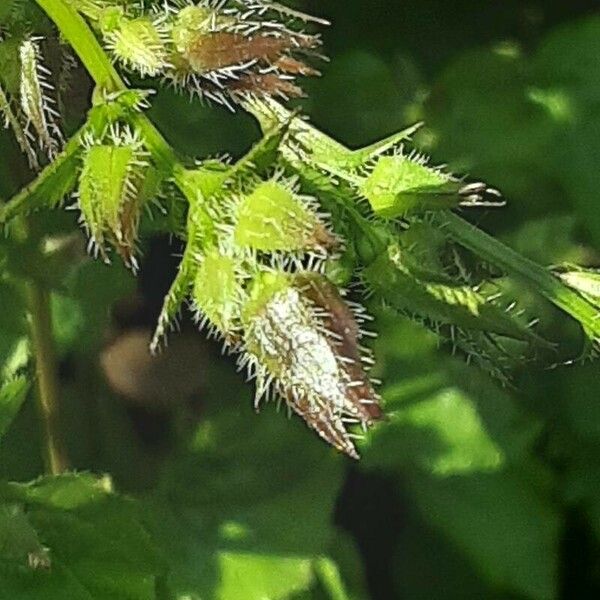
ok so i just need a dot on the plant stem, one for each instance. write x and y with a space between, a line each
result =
514 264
47 378
75 30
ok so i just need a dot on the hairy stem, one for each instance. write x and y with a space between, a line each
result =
47 378
520 267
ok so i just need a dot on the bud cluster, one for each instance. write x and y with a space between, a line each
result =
257 282
218 50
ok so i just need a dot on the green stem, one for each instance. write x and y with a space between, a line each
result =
75 30
514 264
47 378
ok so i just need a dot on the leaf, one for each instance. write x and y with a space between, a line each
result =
449 421
448 418
94 539
257 529
508 531
19 542
462 449
460 305
446 574
85 306
252 577
12 396
481 118
329 576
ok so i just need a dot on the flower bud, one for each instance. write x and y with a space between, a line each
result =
272 218
401 184
139 45
227 54
36 100
303 339
111 191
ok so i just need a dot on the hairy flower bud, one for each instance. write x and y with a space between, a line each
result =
400 184
273 218
301 338
36 100
11 120
111 191
226 53
139 44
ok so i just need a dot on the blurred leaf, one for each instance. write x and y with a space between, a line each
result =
329 576
371 99
507 530
249 509
96 545
427 566
13 323
12 396
483 120
19 541
549 240
447 434
85 309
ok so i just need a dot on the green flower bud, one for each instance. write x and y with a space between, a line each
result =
274 218
400 184
111 186
191 21
36 101
110 18
139 45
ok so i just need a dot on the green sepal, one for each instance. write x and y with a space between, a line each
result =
307 144
103 179
217 291
398 185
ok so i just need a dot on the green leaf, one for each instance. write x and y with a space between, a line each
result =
449 420
481 118
391 278
85 307
19 542
12 396
252 577
95 542
329 576
257 529
507 530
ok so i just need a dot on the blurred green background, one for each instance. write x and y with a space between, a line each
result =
469 490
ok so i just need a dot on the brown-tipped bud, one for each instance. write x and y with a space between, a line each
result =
112 190
301 337
225 55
